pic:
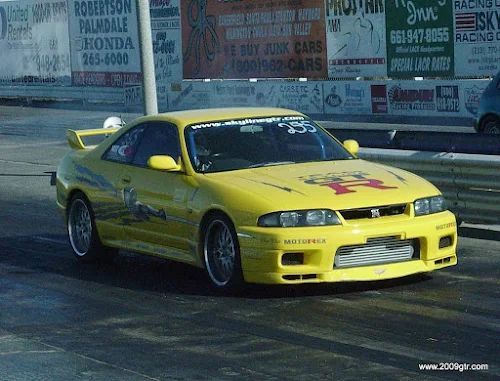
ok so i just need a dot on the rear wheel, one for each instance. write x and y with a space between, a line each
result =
82 232
490 125
221 252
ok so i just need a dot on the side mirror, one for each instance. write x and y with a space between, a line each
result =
352 146
163 163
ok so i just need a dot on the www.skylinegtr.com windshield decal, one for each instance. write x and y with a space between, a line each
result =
243 122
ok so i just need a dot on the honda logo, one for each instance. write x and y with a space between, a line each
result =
375 213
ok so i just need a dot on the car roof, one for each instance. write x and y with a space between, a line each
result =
187 117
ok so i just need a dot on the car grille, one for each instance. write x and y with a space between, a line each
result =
373 212
376 251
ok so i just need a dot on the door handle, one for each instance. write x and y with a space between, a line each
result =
126 179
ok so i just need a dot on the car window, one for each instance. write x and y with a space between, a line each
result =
158 139
255 142
124 148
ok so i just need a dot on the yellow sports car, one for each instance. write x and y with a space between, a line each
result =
261 195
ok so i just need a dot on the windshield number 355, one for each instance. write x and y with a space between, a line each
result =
299 127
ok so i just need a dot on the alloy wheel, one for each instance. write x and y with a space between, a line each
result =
219 252
80 227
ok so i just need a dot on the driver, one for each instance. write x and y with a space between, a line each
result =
201 154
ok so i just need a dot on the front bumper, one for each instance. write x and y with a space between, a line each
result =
262 250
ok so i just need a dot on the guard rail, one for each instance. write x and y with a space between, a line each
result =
470 183
435 141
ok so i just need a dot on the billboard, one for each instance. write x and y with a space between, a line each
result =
253 39
477 37
104 43
347 97
420 38
355 37
167 45
34 43
407 99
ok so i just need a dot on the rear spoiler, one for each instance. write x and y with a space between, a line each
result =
75 137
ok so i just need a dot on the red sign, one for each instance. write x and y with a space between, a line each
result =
254 39
379 99
105 79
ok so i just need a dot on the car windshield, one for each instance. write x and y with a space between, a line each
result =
258 142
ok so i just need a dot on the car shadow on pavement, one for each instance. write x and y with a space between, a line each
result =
51 254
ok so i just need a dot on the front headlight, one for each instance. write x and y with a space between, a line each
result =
294 218
429 205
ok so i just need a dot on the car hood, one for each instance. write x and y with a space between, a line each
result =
334 184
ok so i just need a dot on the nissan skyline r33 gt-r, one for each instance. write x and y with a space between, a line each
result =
259 195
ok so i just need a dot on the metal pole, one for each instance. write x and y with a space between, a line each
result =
147 59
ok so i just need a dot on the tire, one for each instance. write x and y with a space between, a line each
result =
82 232
221 253
490 125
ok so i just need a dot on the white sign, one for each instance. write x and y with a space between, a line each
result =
347 97
34 43
104 43
132 96
355 38
477 38
471 92
192 95
306 97
167 46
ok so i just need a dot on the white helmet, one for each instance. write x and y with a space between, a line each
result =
113 122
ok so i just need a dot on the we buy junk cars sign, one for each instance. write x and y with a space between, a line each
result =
253 39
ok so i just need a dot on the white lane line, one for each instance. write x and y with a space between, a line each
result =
97 361
27 352
26 163
38 238
27 145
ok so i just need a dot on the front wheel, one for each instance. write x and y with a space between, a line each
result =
490 125
82 232
221 252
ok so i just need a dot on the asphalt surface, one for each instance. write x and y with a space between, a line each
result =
142 318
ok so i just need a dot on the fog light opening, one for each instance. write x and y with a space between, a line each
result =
291 277
416 249
445 242
292 259
443 261
309 276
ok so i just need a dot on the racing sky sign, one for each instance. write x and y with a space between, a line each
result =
104 43
254 39
477 37
355 35
34 43
419 38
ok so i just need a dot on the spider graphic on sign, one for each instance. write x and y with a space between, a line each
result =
202 31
